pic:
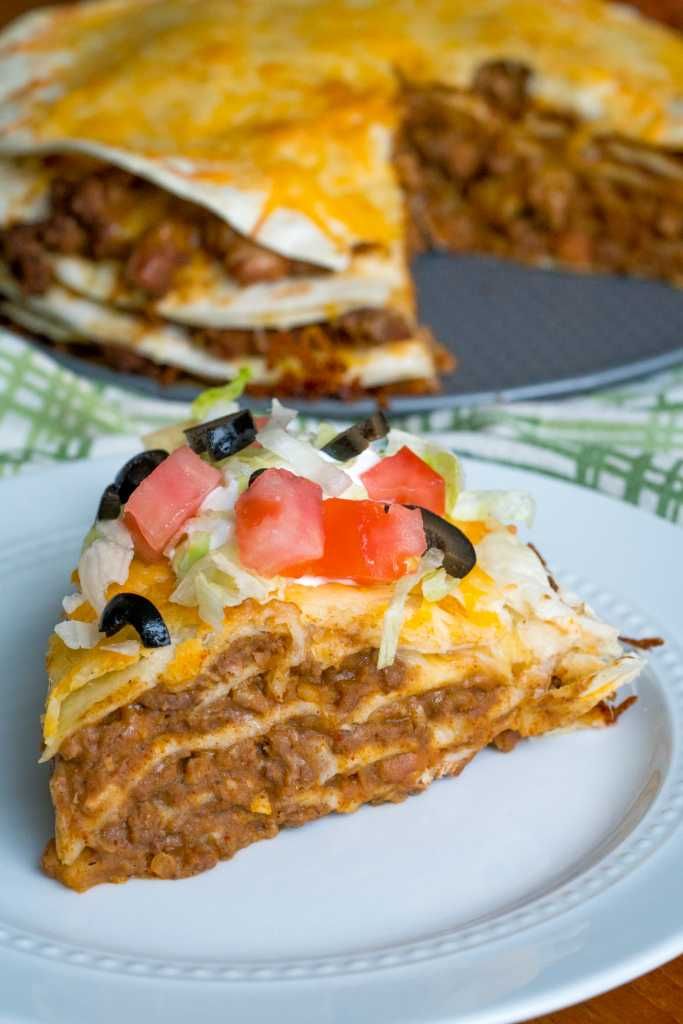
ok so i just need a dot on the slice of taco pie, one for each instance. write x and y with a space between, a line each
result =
270 625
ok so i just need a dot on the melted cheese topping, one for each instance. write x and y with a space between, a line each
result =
280 115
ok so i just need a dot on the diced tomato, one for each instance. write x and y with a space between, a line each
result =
279 522
366 541
407 478
142 549
166 498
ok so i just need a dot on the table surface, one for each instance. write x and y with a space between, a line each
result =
656 998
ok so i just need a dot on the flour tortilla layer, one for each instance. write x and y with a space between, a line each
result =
62 316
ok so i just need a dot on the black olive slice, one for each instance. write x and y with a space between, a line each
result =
136 611
255 475
135 470
459 556
223 436
110 503
355 439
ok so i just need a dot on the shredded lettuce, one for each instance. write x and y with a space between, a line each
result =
221 499
116 531
247 461
211 528
103 562
216 590
505 507
355 468
393 616
218 581
304 459
210 403
77 635
71 602
281 415
105 558
438 584
448 465
243 583
113 530
184 592
219 527
212 599
190 551
90 536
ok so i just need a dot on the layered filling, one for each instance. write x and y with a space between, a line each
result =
148 282
307 361
482 169
489 169
492 126
345 356
106 213
245 763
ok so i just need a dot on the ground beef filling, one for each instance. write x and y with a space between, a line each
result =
484 169
489 170
201 806
361 328
310 360
314 369
103 212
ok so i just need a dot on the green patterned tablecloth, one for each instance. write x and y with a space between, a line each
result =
625 441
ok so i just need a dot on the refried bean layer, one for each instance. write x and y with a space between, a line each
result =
186 811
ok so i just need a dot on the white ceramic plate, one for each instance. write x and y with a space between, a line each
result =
533 881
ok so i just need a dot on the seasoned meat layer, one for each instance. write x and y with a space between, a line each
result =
485 169
104 212
358 329
490 170
183 812
24 253
313 366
